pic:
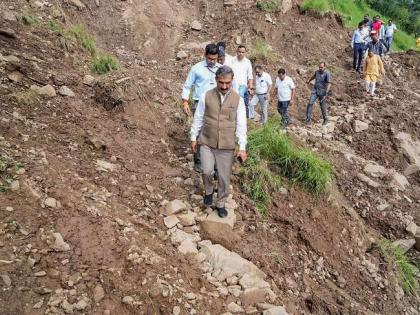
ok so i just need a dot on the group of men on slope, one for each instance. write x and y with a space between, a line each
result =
375 38
223 86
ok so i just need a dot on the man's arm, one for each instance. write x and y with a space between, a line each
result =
250 76
312 78
197 122
328 83
241 129
292 99
381 66
352 39
189 82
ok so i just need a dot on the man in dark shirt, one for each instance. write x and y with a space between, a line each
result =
376 45
321 88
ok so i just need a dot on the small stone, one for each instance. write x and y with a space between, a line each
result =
412 228
187 246
375 170
187 219
150 188
50 202
82 304
15 186
89 80
98 293
174 207
38 305
189 182
65 91
196 25
234 308
10 209
405 245
181 55
7 281
78 4
278 310
170 221
46 90
176 310
129 300
360 126
40 274
15 76
399 181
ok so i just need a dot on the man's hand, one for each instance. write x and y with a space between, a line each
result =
267 97
242 155
186 107
194 146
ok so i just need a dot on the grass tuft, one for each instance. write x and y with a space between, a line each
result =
407 272
104 64
262 51
30 20
55 26
78 32
268 5
5 177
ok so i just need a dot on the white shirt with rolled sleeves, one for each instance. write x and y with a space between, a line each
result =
241 127
284 89
242 70
262 83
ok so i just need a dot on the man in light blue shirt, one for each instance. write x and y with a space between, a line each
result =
358 43
202 77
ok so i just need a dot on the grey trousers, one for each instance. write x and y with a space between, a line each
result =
223 160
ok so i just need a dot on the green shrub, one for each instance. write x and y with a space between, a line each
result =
5 177
104 64
298 165
319 6
407 272
268 5
55 26
261 50
79 33
31 20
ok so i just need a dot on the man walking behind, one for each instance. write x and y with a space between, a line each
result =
389 34
321 89
242 68
286 91
263 84
376 45
358 43
202 78
372 70
219 118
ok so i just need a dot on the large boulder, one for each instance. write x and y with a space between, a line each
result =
410 149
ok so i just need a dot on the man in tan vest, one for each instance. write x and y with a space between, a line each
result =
219 118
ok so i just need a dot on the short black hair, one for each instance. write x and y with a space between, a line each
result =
260 67
241 46
212 49
281 71
361 23
221 44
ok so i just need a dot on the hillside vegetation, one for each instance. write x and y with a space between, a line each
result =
352 13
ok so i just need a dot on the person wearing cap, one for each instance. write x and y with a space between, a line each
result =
263 84
220 117
202 78
375 45
358 43
373 68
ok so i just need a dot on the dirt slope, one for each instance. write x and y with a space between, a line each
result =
101 178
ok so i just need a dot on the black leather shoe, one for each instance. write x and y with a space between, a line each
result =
197 166
222 212
208 200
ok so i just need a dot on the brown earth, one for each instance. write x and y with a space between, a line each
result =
318 254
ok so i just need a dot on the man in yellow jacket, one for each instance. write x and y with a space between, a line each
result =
373 68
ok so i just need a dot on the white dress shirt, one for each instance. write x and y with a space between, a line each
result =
284 88
241 127
242 69
262 83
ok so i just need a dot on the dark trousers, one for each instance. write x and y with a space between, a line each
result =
282 108
312 100
358 53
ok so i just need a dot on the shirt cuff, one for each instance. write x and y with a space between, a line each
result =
242 146
193 138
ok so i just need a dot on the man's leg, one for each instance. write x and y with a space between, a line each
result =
207 166
372 88
389 40
252 104
355 56
243 92
360 52
224 160
367 84
264 108
310 106
197 162
324 111
284 113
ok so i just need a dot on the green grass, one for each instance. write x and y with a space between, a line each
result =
31 20
104 64
78 32
55 26
405 269
352 13
5 178
262 51
272 155
268 5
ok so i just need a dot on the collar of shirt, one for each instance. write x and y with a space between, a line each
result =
223 97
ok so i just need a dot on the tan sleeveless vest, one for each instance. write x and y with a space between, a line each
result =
219 126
